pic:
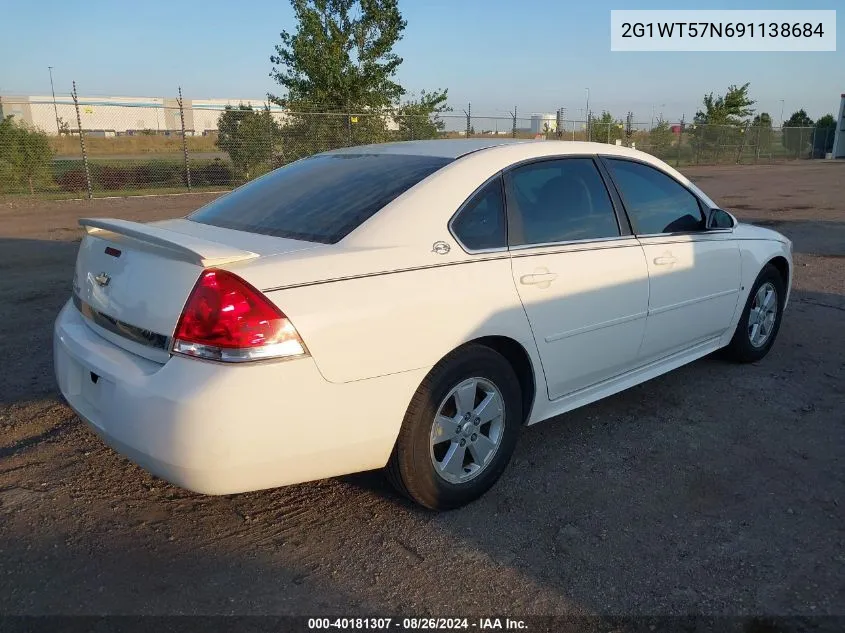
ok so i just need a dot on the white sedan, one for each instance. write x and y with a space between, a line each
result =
407 306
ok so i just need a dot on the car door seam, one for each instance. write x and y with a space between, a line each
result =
530 329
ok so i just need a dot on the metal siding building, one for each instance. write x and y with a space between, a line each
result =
125 115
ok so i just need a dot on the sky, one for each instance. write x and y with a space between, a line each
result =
535 55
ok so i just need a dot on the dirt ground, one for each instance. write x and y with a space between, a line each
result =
716 489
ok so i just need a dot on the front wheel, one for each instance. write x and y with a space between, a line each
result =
459 431
760 320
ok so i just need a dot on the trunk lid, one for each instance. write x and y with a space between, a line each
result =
132 280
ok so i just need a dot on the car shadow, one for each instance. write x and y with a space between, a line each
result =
712 489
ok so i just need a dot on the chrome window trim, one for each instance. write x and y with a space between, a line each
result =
470 197
686 234
589 240
574 246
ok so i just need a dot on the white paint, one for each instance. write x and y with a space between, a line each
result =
377 311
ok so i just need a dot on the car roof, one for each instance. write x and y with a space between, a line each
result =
443 148
456 148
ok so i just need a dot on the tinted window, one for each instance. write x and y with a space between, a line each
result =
481 223
655 202
318 199
558 200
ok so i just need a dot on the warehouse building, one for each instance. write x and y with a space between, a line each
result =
118 116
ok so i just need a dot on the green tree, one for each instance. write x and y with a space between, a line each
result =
419 118
340 57
719 126
761 133
797 134
606 129
660 138
340 60
25 156
799 119
732 109
250 138
824 135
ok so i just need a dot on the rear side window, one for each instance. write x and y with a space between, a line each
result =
319 199
481 222
655 202
558 201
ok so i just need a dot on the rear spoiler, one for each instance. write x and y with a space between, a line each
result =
185 247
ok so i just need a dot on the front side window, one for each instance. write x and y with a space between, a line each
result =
655 202
319 199
557 201
481 223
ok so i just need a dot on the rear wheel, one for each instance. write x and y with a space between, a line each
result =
760 321
459 431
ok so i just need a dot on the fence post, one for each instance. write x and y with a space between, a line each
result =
468 113
184 140
680 141
742 144
349 124
82 143
269 133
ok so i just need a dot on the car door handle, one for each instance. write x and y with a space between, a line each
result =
543 280
666 260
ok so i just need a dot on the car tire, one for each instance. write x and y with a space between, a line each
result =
445 474
742 347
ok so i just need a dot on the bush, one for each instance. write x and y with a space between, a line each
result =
72 180
117 175
157 173
214 174
26 156
109 177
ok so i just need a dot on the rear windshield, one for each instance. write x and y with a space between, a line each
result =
319 199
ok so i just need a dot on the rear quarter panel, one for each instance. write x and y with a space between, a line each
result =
394 322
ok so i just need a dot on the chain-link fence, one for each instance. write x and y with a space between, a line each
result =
167 146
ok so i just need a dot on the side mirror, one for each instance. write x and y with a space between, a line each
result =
719 219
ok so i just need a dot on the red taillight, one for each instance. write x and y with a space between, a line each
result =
227 319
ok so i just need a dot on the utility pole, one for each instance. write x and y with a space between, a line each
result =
513 116
781 112
662 105
55 107
589 135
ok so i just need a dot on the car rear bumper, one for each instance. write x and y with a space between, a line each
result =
220 429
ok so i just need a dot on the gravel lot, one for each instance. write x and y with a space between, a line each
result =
716 489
